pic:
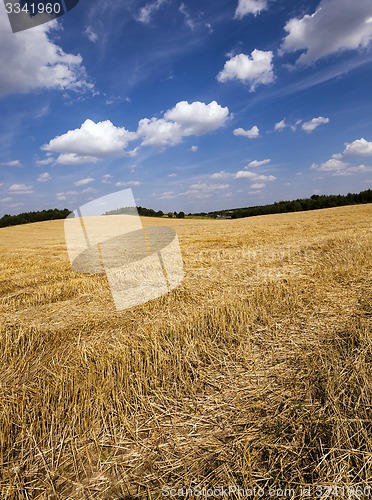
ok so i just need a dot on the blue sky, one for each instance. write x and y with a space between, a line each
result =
195 106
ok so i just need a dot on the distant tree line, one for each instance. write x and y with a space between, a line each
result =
55 213
145 212
314 203
26 217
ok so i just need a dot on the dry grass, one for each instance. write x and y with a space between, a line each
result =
255 372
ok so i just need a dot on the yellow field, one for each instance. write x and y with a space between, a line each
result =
255 372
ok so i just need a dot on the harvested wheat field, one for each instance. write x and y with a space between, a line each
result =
255 373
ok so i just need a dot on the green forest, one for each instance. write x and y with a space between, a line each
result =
316 202
27 217
145 212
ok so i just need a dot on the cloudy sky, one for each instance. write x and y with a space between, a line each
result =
196 106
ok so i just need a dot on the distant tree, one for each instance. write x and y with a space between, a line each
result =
315 202
180 215
296 206
145 212
170 215
27 217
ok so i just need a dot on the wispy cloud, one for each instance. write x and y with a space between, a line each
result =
85 181
127 184
90 34
314 123
243 174
308 126
258 163
12 163
145 14
188 19
20 189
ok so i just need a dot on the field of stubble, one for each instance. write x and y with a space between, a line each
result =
255 372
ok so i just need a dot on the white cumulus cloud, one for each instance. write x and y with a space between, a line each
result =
185 119
244 174
331 165
256 69
338 167
73 159
335 26
31 61
252 133
95 141
246 7
359 147
358 169
159 132
44 177
89 143
197 118
314 123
